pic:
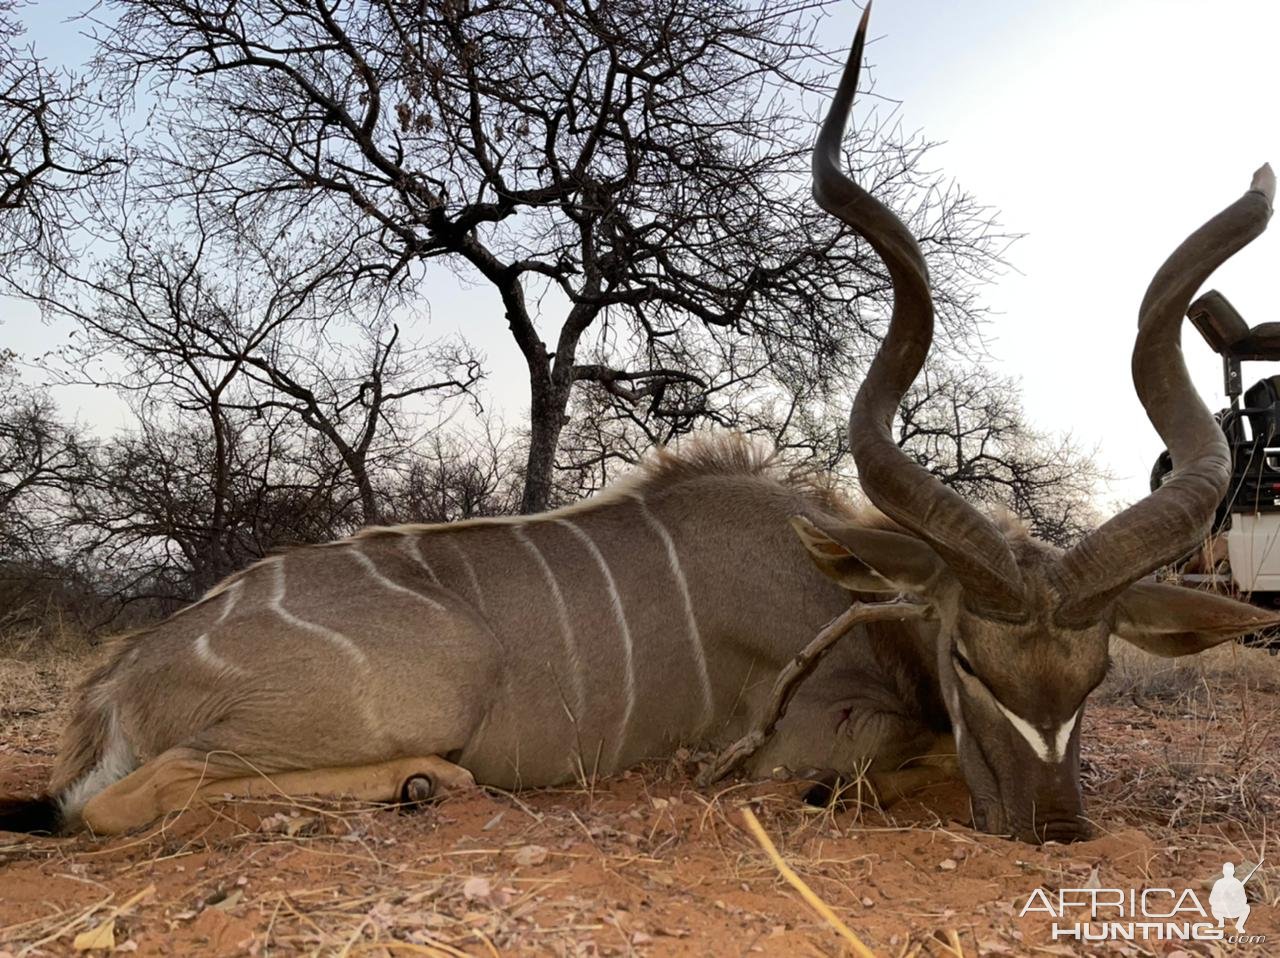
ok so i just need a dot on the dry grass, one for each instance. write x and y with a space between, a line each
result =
1182 772
1203 734
34 680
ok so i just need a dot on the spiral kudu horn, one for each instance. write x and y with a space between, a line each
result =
1176 517
971 545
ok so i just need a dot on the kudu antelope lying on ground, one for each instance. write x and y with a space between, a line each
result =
544 649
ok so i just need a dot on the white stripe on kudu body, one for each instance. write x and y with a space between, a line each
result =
695 637
212 659
471 573
337 638
233 595
204 651
562 616
414 548
1048 748
615 602
371 567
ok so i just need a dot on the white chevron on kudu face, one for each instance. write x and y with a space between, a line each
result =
1049 745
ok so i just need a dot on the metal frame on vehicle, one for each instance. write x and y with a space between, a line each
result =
1243 555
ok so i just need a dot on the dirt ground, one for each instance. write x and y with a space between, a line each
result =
1182 773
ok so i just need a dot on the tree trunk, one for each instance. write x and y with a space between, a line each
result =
371 515
550 386
547 404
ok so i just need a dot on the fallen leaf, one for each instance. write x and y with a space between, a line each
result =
274 823
992 946
531 855
230 901
476 889
102 937
296 825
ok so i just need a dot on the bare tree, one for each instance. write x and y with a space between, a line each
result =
968 427
358 406
965 424
174 507
41 458
458 476
46 148
227 320
629 169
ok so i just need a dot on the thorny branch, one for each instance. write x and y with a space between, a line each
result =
794 672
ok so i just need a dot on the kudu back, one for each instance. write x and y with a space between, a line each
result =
554 648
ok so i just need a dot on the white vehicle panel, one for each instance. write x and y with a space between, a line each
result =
1253 547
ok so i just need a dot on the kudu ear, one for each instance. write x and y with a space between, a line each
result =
1172 620
872 560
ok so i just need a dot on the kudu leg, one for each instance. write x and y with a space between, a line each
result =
938 764
884 786
182 777
891 787
879 788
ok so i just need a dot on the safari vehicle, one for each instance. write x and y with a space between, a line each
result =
1242 557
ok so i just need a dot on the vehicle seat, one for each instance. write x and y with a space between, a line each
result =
1262 406
1228 334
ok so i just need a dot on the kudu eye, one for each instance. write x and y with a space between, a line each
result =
965 665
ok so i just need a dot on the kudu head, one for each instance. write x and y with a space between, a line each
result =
1024 628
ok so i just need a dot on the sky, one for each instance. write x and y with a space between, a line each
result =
1103 131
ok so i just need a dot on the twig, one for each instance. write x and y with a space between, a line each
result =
789 678
807 893
954 946
115 913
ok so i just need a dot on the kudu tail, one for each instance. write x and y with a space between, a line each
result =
42 814
93 754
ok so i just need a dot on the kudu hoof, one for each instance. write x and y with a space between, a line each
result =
417 789
826 791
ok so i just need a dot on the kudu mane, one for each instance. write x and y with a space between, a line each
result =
726 455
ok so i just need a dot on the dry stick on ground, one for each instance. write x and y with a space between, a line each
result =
789 678
808 894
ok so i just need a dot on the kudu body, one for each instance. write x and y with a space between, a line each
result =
527 652
556 647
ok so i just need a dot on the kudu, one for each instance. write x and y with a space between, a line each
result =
543 649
